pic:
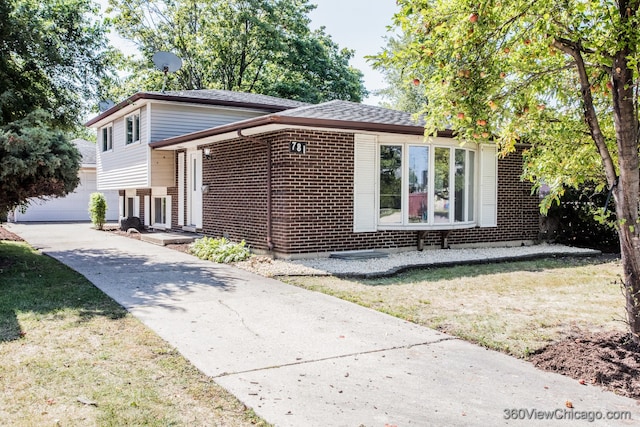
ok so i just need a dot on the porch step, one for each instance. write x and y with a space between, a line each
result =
166 238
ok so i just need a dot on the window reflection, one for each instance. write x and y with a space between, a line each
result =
418 184
441 181
390 184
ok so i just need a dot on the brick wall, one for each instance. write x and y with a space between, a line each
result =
235 205
313 197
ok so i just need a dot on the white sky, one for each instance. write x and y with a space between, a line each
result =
360 25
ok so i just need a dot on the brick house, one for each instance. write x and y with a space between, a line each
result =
313 179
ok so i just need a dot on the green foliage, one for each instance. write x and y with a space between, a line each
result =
98 209
581 220
220 250
562 77
35 161
494 72
261 46
51 55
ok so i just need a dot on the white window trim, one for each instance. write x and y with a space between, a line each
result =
431 225
109 129
130 194
167 224
139 137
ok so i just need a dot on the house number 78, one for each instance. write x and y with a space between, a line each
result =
298 147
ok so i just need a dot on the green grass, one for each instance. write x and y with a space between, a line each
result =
63 341
515 307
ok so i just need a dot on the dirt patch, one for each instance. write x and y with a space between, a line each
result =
7 235
182 247
608 359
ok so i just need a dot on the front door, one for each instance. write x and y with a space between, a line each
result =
194 189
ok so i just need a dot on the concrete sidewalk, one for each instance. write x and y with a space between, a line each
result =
301 358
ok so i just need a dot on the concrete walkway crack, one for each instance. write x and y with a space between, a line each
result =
239 317
342 356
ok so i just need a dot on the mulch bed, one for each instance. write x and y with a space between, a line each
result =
608 359
7 235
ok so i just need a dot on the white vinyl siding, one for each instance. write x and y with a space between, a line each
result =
163 172
171 120
135 165
364 184
126 166
488 206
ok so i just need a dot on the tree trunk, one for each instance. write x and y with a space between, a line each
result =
626 187
627 190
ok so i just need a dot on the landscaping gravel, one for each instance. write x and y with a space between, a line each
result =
396 262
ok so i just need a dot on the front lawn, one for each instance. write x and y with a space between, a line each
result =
71 356
516 307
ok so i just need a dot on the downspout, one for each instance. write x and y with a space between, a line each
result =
270 245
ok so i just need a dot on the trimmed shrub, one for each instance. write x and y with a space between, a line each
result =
97 209
219 250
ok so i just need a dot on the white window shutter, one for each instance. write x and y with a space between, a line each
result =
168 223
136 206
488 206
180 189
121 207
147 210
364 184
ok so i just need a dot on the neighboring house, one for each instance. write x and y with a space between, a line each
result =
307 179
74 206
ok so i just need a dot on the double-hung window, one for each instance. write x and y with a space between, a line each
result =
132 128
107 138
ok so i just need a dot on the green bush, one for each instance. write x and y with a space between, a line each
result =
97 209
220 250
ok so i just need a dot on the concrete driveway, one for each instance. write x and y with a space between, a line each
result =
301 358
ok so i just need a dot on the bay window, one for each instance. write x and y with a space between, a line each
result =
425 185
407 183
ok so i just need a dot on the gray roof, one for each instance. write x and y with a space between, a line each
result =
266 103
352 112
87 150
342 115
231 96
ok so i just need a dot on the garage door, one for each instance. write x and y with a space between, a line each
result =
73 207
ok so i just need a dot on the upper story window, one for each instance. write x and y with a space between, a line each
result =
132 128
425 185
106 138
